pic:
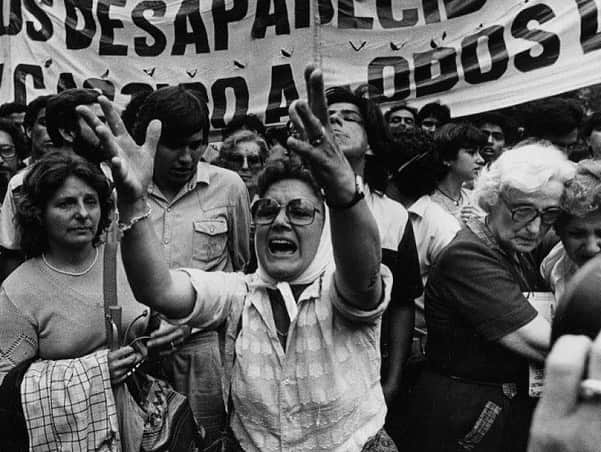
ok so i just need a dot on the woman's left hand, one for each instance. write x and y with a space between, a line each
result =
328 164
122 362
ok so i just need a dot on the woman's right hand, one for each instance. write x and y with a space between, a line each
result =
132 165
122 362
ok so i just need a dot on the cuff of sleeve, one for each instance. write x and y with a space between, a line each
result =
355 314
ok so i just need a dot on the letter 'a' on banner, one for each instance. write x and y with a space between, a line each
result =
248 56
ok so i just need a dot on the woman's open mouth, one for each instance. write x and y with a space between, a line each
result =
282 246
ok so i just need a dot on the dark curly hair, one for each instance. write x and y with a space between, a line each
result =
42 181
285 166
453 136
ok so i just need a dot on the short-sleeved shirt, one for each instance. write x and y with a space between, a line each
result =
322 392
206 225
474 297
434 228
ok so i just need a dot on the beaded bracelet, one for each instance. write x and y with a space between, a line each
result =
124 227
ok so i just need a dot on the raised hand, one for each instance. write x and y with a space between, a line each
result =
132 165
328 164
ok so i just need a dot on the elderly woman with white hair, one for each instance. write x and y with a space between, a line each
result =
482 330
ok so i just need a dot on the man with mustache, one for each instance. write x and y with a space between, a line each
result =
201 214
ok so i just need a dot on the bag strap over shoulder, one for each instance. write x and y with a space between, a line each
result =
112 310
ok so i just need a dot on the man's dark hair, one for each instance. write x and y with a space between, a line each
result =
130 112
61 114
592 122
21 150
434 110
505 122
45 177
11 107
552 117
378 135
285 166
182 113
411 110
245 122
33 109
450 138
415 166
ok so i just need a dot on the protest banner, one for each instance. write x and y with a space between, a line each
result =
248 55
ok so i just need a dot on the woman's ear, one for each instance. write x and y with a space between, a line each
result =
67 135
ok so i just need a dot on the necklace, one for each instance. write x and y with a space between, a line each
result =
455 201
64 272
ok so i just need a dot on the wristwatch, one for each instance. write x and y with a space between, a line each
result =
359 195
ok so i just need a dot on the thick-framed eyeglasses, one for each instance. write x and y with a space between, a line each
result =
300 212
524 214
8 151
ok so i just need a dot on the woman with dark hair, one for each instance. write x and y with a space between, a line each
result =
459 162
13 150
51 307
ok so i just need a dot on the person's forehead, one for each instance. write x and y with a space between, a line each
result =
547 195
343 107
247 147
588 222
5 138
490 127
431 119
287 189
401 113
17 116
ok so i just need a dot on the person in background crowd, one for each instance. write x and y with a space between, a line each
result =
591 132
13 148
565 420
35 129
15 113
433 115
51 307
412 184
482 331
201 214
244 152
358 125
305 326
69 134
246 122
579 227
401 117
556 120
458 148
500 130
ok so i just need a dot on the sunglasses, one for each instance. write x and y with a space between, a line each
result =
237 161
300 212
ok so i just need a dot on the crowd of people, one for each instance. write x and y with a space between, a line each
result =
363 278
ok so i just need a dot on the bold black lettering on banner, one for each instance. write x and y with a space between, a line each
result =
188 11
375 76
45 31
141 44
326 11
590 37
222 17
425 84
133 88
550 43
498 55
347 18
431 11
22 71
106 87
240 90
65 81
282 86
15 19
107 29
458 8
384 9
302 14
264 19
79 38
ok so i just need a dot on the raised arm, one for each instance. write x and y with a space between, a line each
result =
169 292
355 236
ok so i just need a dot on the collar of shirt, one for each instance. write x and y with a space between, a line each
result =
203 176
419 207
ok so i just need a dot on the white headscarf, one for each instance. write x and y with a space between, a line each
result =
324 258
